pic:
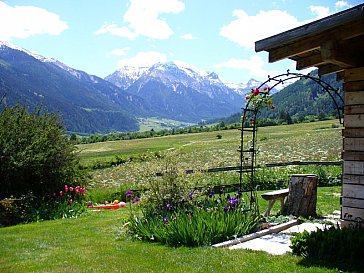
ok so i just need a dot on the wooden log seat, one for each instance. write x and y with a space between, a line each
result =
272 196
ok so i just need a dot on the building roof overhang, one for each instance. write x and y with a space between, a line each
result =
332 44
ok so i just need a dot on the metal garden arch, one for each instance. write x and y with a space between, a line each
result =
251 111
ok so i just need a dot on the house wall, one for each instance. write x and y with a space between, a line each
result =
352 210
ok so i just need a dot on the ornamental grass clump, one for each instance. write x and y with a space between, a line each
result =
198 222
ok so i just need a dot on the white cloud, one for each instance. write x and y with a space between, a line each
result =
342 5
255 66
143 19
320 11
245 29
143 59
187 36
120 51
113 29
25 21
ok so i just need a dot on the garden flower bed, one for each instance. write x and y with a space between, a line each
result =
196 221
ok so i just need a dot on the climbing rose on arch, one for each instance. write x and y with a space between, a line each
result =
260 99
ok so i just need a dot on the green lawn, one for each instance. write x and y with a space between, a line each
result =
92 243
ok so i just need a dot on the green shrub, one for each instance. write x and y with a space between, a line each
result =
35 153
16 210
333 245
36 160
171 185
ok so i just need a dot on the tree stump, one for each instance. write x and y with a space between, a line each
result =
302 197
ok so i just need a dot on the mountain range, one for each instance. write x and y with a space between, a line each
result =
90 104
178 92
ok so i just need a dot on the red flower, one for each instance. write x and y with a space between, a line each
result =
273 107
251 120
54 194
265 88
77 189
61 193
256 92
71 189
247 97
65 188
71 201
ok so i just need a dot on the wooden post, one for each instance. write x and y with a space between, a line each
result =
302 197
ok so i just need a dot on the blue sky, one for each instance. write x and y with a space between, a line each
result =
99 36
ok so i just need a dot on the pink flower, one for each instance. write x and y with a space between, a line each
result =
54 194
61 193
82 190
265 88
65 188
256 92
71 189
70 202
77 189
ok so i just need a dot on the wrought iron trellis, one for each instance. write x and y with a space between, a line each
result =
248 137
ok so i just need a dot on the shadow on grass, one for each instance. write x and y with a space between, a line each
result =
340 266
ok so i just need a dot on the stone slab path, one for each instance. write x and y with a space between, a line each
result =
277 243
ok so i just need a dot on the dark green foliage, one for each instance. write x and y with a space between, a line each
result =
334 246
35 154
16 210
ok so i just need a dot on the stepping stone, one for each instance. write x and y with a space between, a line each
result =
275 244
304 226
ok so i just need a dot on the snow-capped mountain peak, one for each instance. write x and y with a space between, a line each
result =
33 54
72 71
244 88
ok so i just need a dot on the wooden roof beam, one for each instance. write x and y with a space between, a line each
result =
340 54
290 51
326 69
310 61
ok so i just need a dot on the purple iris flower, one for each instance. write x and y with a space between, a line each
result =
211 194
233 201
129 194
165 220
169 206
